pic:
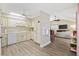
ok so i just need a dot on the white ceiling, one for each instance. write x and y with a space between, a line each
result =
61 10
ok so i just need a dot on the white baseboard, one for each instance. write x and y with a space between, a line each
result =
45 44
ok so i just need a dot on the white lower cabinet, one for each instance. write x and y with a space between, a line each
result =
16 37
11 38
21 36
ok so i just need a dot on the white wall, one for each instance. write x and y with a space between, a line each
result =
44 28
54 27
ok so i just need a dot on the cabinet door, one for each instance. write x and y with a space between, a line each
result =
18 37
11 38
21 36
24 36
28 35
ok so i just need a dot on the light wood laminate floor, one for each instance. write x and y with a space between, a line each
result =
60 47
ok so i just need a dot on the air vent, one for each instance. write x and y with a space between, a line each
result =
57 20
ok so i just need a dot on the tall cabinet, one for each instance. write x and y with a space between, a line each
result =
35 33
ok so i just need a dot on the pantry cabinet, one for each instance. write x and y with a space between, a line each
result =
35 33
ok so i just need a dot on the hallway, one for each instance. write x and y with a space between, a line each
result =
60 47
